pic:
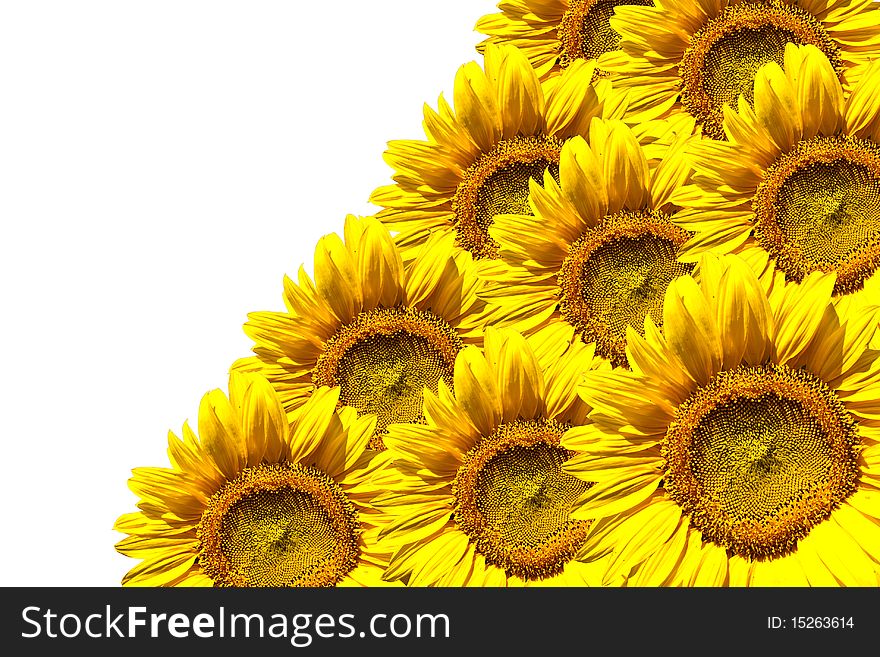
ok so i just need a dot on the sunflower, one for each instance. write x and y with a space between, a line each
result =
742 448
507 129
555 33
254 501
796 189
379 329
597 253
681 55
482 499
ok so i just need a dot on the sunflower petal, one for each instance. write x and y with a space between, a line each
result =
819 94
776 106
519 94
336 277
625 169
690 329
380 266
476 106
613 497
476 390
582 182
221 434
517 373
310 424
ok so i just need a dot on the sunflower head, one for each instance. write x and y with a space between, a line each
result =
380 328
796 188
554 34
482 498
739 449
598 250
255 501
507 129
699 57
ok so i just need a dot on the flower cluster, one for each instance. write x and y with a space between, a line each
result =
615 323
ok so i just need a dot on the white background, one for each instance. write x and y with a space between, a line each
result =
162 164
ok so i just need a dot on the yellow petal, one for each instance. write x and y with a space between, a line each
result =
642 534
657 568
517 373
862 110
625 169
476 106
310 424
782 571
519 94
336 277
582 182
160 571
613 497
776 106
843 557
712 570
425 272
819 94
476 390
264 422
606 467
572 102
221 434
864 531
444 553
380 266
690 330
550 206
742 311
799 312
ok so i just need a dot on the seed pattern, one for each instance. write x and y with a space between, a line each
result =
818 209
513 499
726 53
616 274
279 525
498 183
384 360
585 31
759 456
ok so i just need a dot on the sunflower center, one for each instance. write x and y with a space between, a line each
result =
513 499
279 524
383 361
585 31
759 456
818 209
616 274
498 183
725 54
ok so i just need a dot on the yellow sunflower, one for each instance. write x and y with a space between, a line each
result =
681 55
482 499
380 329
796 189
507 129
742 448
254 501
597 253
554 33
